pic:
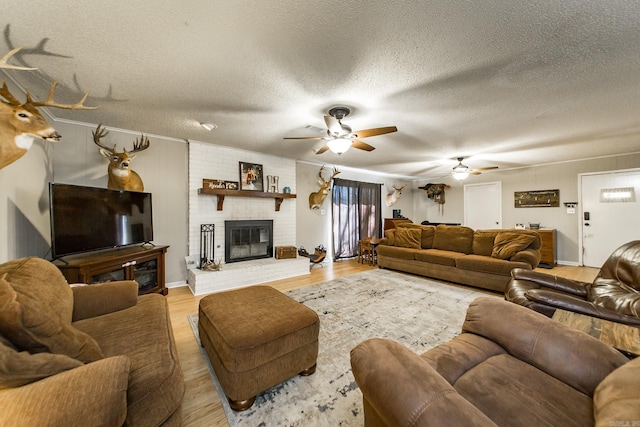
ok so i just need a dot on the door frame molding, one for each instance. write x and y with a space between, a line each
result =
464 199
581 206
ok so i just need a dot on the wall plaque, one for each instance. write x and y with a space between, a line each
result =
537 199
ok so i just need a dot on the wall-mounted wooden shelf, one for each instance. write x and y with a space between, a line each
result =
279 197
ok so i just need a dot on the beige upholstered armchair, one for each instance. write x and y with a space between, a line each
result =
509 367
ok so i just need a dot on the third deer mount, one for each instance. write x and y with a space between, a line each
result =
316 198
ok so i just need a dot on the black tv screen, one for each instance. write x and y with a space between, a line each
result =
90 218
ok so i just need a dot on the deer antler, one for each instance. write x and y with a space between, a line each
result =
4 59
139 145
99 133
51 103
4 91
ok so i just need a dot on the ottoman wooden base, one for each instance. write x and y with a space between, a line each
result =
256 338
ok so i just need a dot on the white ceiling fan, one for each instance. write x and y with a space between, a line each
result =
340 137
461 171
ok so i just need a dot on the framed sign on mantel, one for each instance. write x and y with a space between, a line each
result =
251 177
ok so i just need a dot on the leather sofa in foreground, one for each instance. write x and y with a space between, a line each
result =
480 258
614 294
510 367
97 355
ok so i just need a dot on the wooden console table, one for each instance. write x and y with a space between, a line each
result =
547 247
623 337
279 197
144 264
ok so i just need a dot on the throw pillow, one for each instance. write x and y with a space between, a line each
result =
36 328
507 244
20 368
408 238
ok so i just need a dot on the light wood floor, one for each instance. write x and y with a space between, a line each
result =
201 405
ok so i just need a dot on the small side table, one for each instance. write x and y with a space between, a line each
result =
625 338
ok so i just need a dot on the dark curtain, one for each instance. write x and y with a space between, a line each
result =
356 215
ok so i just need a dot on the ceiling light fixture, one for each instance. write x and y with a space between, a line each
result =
209 126
460 171
339 145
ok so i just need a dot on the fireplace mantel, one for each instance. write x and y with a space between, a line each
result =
279 197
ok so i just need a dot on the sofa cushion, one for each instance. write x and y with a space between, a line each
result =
508 243
35 326
483 241
396 252
426 235
408 238
455 238
487 264
437 256
390 235
18 368
615 401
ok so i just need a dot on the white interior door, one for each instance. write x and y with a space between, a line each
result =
483 205
610 213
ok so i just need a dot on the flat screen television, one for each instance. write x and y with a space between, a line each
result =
89 218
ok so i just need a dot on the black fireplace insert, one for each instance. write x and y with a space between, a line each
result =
248 239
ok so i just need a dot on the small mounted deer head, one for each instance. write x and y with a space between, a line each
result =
121 177
393 197
21 122
316 198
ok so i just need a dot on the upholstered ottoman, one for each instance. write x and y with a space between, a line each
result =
257 337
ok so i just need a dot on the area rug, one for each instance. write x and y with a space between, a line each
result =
414 311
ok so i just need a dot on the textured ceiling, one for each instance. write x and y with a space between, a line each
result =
507 83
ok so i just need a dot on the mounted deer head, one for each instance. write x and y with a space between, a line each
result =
316 199
21 122
393 197
121 177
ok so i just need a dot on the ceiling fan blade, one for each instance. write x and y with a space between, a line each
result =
333 124
322 149
474 172
485 169
305 137
362 145
374 132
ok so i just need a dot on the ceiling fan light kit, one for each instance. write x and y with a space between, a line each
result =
340 137
461 171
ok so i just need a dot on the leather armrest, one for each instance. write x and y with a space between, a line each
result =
550 281
91 395
552 347
402 389
569 303
103 298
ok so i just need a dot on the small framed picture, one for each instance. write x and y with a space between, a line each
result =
251 177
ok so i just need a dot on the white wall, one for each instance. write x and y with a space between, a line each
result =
223 163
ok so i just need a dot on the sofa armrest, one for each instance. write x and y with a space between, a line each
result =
103 298
91 395
401 389
550 281
551 346
528 256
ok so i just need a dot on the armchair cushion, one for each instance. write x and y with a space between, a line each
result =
34 326
20 368
507 244
616 296
103 298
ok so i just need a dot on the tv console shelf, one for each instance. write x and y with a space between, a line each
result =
279 197
144 264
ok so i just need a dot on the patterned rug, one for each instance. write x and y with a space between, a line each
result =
417 312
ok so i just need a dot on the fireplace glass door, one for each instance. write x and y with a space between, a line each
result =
247 240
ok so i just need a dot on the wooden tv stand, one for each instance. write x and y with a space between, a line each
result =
144 264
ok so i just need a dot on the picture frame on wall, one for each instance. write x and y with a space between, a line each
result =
251 177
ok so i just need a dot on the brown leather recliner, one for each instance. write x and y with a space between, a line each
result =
510 367
614 294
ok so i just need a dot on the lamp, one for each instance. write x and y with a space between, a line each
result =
209 126
339 145
460 175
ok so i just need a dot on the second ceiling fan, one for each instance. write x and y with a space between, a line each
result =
461 171
340 137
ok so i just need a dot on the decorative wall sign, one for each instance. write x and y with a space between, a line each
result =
219 184
537 199
251 177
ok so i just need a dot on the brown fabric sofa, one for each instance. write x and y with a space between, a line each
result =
481 258
510 367
96 355
614 294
